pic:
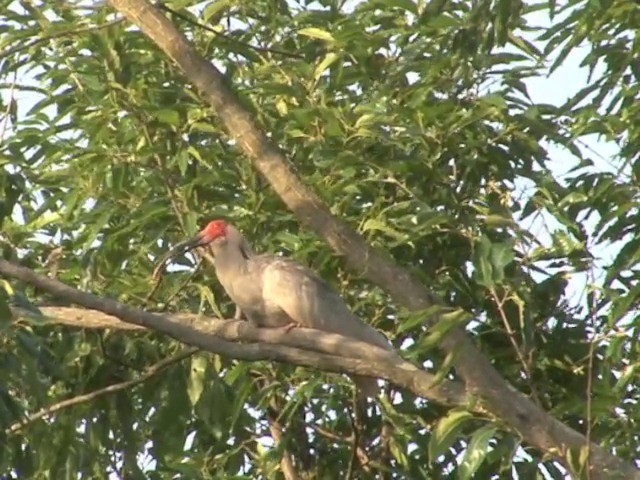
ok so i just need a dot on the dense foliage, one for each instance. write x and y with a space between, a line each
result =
413 121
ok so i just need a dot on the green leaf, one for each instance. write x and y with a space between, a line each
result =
502 255
621 306
47 218
204 127
476 452
374 224
329 59
170 117
447 321
317 33
447 431
407 5
7 287
197 374
409 319
495 100
398 453
214 9
482 262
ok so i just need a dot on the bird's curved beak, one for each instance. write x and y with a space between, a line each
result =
196 241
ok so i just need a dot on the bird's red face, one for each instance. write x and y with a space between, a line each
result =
214 230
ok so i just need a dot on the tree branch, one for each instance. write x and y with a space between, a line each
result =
230 330
333 353
152 371
536 426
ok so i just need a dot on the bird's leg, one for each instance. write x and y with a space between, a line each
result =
237 314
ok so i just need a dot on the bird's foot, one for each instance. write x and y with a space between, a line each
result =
289 326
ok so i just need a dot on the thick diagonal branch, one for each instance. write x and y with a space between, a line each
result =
537 427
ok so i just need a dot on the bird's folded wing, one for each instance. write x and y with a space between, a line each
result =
310 302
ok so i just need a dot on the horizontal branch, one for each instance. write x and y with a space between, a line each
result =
305 347
231 330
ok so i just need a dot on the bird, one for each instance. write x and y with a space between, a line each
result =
278 292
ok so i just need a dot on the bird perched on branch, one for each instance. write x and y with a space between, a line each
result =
275 291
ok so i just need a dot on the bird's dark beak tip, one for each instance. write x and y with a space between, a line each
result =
183 247
193 242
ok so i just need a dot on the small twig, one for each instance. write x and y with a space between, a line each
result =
589 405
356 426
156 277
298 432
332 436
383 452
286 463
21 87
87 397
33 43
592 317
354 451
276 430
171 192
386 434
184 284
195 23
158 274
10 103
511 334
273 416
363 457
8 243
53 261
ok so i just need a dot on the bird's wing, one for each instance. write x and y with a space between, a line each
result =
311 302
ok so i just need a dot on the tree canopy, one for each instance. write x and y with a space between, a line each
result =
390 145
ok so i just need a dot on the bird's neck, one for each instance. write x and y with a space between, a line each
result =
232 258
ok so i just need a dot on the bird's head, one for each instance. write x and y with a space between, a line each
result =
215 232
218 234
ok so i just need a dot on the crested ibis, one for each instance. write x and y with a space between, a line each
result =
275 291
